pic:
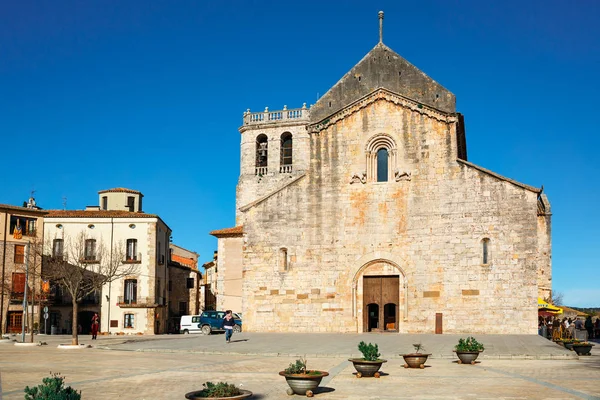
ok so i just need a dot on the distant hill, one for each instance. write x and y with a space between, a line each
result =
587 310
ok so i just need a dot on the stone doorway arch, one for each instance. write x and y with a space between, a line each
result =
380 297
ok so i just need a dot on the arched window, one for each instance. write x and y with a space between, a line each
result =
261 154
382 165
286 153
485 251
381 158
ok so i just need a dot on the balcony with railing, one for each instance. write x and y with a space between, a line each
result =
285 169
135 258
276 117
138 302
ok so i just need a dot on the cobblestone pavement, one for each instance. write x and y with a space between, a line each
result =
139 370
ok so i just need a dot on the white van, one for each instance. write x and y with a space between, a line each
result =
190 324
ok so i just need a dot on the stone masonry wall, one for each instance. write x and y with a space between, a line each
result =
428 230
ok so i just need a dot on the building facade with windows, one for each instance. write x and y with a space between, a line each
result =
134 304
21 237
185 282
362 213
210 278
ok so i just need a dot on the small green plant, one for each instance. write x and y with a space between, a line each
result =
299 367
220 389
418 347
468 344
369 351
52 388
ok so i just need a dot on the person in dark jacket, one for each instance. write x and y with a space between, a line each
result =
228 324
589 326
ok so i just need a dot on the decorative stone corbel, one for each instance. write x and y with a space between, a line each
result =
402 175
359 178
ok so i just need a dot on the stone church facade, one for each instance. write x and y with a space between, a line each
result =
362 213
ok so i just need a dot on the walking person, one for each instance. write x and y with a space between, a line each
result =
589 326
228 324
95 325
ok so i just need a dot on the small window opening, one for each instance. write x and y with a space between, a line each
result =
485 248
283 259
382 165
359 78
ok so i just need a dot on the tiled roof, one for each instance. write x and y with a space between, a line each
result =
22 209
119 190
227 232
97 214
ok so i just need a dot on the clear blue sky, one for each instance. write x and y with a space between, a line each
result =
149 95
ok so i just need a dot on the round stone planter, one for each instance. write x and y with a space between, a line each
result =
583 349
197 395
467 357
366 368
304 384
415 360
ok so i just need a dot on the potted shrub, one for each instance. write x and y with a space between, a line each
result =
370 364
468 350
220 390
416 359
52 387
568 343
583 348
302 381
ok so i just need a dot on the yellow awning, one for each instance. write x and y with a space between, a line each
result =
544 305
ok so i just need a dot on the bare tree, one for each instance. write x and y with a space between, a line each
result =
555 298
84 268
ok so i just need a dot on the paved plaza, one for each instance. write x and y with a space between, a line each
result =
168 366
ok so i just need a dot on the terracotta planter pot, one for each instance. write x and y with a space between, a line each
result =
467 357
196 396
415 360
304 384
366 368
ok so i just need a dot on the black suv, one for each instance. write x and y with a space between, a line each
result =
211 321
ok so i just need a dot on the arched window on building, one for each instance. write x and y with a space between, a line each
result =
485 251
286 153
381 158
382 165
262 154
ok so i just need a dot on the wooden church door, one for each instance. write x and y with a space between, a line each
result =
380 300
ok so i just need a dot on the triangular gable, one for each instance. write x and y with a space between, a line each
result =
383 68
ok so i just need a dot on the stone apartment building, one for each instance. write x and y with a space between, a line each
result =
186 296
362 213
21 238
135 304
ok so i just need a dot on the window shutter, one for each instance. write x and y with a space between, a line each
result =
18 282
